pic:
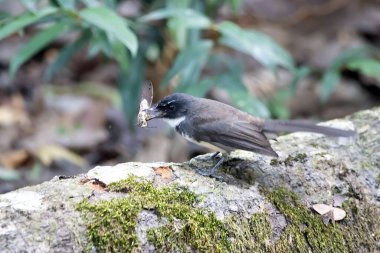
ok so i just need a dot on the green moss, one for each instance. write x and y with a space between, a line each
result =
185 227
300 157
306 231
111 224
274 162
250 235
361 227
289 160
199 231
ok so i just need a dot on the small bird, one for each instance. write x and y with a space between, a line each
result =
209 122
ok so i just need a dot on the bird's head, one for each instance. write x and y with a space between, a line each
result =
175 106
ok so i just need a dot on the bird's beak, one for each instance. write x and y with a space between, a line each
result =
153 113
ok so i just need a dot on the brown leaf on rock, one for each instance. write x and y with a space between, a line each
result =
164 171
98 186
84 180
94 183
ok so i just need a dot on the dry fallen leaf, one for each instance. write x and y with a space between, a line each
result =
322 208
10 116
12 112
327 217
94 183
98 186
85 180
339 214
329 212
14 158
338 200
49 153
164 171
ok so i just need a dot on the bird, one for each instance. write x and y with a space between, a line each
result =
212 123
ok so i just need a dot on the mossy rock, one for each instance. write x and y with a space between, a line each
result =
112 223
185 227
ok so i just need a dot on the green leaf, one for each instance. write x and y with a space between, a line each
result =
276 104
24 20
190 18
352 53
111 3
256 44
130 86
239 94
120 54
91 3
332 75
4 17
200 89
34 45
249 103
31 5
178 30
64 55
67 4
9 175
188 65
35 173
329 82
299 74
230 83
235 5
100 43
224 64
229 79
178 4
368 67
113 24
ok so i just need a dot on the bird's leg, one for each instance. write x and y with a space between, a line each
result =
217 165
215 155
211 173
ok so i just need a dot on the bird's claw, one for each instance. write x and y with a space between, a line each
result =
208 173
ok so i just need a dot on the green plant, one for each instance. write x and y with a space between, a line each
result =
135 41
365 60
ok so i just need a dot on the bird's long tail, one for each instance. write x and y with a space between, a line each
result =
302 126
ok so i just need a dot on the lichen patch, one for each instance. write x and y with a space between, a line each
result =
23 200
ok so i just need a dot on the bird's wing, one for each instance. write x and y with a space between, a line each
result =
235 135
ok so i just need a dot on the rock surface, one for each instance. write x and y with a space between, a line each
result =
255 192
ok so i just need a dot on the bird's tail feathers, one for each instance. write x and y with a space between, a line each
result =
302 126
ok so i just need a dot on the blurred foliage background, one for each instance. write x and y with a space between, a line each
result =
71 72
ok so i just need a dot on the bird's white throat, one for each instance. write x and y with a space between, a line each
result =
175 122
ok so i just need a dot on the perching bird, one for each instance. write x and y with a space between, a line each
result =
209 122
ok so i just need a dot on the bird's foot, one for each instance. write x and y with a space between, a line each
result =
212 173
208 173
